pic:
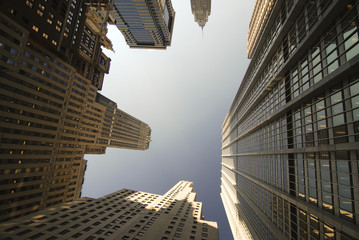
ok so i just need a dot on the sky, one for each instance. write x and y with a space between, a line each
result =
183 93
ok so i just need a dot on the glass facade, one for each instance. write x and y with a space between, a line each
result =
147 24
290 139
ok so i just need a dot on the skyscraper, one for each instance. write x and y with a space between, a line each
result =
124 214
70 30
291 137
201 9
144 24
51 113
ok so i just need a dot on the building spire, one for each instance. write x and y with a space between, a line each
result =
201 9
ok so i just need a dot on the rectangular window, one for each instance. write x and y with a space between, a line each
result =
350 35
316 64
344 177
331 51
326 181
312 179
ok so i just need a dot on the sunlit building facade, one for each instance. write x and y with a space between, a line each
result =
124 214
259 18
144 24
201 9
51 115
290 140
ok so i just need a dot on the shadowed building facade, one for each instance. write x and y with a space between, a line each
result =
124 214
291 137
51 113
201 9
69 29
145 23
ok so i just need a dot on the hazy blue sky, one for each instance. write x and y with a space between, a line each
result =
184 94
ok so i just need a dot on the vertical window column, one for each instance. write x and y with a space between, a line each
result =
321 121
345 185
350 34
316 65
308 126
301 176
326 181
338 117
354 113
331 51
312 178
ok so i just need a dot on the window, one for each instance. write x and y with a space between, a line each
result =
36 29
321 116
52 220
308 126
350 35
331 51
338 115
77 235
316 64
11 229
312 178
345 191
51 238
36 236
329 231
64 223
325 171
75 226
64 231
28 3
301 176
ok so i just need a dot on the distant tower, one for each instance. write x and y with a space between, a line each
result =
144 24
124 214
201 9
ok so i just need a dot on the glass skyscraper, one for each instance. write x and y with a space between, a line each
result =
290 141
144 24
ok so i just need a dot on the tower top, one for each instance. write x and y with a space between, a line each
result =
201 9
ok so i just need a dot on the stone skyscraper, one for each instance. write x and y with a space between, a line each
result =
291 137
201 9
144 23
51 114
124 214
